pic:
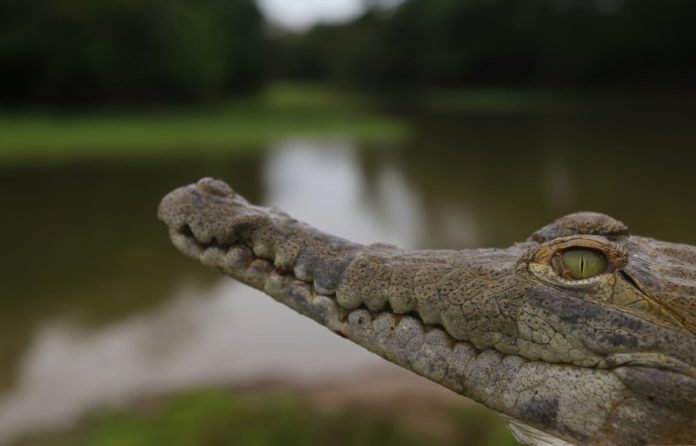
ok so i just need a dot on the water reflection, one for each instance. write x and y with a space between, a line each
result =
222 334
82 242
97 307
508 175
323 183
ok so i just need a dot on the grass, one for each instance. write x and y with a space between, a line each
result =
545 100
497 100
217 418
282 111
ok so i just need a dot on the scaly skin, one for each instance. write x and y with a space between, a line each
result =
609 360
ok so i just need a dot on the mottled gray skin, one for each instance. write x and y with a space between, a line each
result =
609 360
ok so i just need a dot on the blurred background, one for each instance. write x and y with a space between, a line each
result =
423 123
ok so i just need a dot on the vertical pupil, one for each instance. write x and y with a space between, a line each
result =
583 263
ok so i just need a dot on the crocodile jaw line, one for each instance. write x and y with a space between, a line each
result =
402 339
576 398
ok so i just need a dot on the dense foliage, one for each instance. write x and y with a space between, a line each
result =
509 42
176 50
128 50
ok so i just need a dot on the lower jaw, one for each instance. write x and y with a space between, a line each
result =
240 262
393 336
485 375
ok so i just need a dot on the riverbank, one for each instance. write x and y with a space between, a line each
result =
291 110
369 410
282 111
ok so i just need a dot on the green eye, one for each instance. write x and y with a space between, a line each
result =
583 263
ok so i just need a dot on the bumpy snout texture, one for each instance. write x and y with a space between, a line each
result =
583 334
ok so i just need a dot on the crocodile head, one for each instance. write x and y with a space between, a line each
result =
583 334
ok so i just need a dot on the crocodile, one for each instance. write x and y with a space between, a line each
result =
584 334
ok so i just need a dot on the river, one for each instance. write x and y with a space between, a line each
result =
97 307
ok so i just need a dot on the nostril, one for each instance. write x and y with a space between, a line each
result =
186 231
214 187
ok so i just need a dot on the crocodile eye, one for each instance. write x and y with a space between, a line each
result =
581 263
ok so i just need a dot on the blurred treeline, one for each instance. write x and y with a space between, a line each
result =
503 42
174 50
129 50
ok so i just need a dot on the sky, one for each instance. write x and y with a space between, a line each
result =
300 14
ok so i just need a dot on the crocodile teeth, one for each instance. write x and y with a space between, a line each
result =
185 243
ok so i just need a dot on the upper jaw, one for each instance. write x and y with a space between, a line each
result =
208 214
273 253
208 221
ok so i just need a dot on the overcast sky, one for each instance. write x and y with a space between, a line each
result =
298 14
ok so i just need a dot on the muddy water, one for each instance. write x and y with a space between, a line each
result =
96 307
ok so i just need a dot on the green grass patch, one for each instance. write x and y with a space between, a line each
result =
217 418
526 101
287 95
283 111
496 100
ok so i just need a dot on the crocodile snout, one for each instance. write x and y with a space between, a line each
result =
189 205
175 208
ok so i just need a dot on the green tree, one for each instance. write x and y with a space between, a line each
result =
129 50
535 42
